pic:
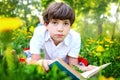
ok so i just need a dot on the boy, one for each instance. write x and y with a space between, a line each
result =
56 38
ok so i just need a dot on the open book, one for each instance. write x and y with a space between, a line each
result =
75 75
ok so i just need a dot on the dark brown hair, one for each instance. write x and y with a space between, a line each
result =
59 10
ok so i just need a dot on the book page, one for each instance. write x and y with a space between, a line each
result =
92 72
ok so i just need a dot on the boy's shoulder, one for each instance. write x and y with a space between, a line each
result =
73 37
40 29
74 33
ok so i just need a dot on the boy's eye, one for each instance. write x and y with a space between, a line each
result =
54 22
66 23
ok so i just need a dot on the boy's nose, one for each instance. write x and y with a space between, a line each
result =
60 28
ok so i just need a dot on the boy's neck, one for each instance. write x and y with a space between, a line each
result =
56 43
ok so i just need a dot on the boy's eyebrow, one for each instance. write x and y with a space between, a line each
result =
55 19
67 20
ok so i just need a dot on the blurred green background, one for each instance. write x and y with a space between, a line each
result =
97 21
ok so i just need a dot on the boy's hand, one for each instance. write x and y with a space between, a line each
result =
44 63
90 67
86 68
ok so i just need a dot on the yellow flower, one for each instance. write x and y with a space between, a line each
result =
102 78
24 31
40 69
108 40
107 48
93 52
110 78
100 49
101 42
106 45
31 29
29 36
7 24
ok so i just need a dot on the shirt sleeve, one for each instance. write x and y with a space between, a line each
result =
36 41
75 45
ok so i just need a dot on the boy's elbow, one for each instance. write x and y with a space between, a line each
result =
35 57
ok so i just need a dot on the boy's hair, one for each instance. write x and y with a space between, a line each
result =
59 10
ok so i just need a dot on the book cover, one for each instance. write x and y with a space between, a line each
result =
75 75
67 69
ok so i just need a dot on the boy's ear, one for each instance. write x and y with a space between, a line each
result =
45 23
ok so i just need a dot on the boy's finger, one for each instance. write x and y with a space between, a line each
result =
45 64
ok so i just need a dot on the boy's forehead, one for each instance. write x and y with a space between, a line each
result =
61 19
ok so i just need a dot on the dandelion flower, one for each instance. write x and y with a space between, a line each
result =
7 24
108 40
110 78
100 48
31 29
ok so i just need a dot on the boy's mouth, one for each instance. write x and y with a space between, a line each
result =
59 35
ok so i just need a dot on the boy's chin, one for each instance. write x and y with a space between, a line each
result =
58 40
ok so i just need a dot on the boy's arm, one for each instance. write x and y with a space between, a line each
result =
36 59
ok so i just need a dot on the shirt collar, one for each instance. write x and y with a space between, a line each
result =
47 35
66 40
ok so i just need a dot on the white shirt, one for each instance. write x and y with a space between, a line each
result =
41 40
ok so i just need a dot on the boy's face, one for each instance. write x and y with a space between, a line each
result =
58 29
